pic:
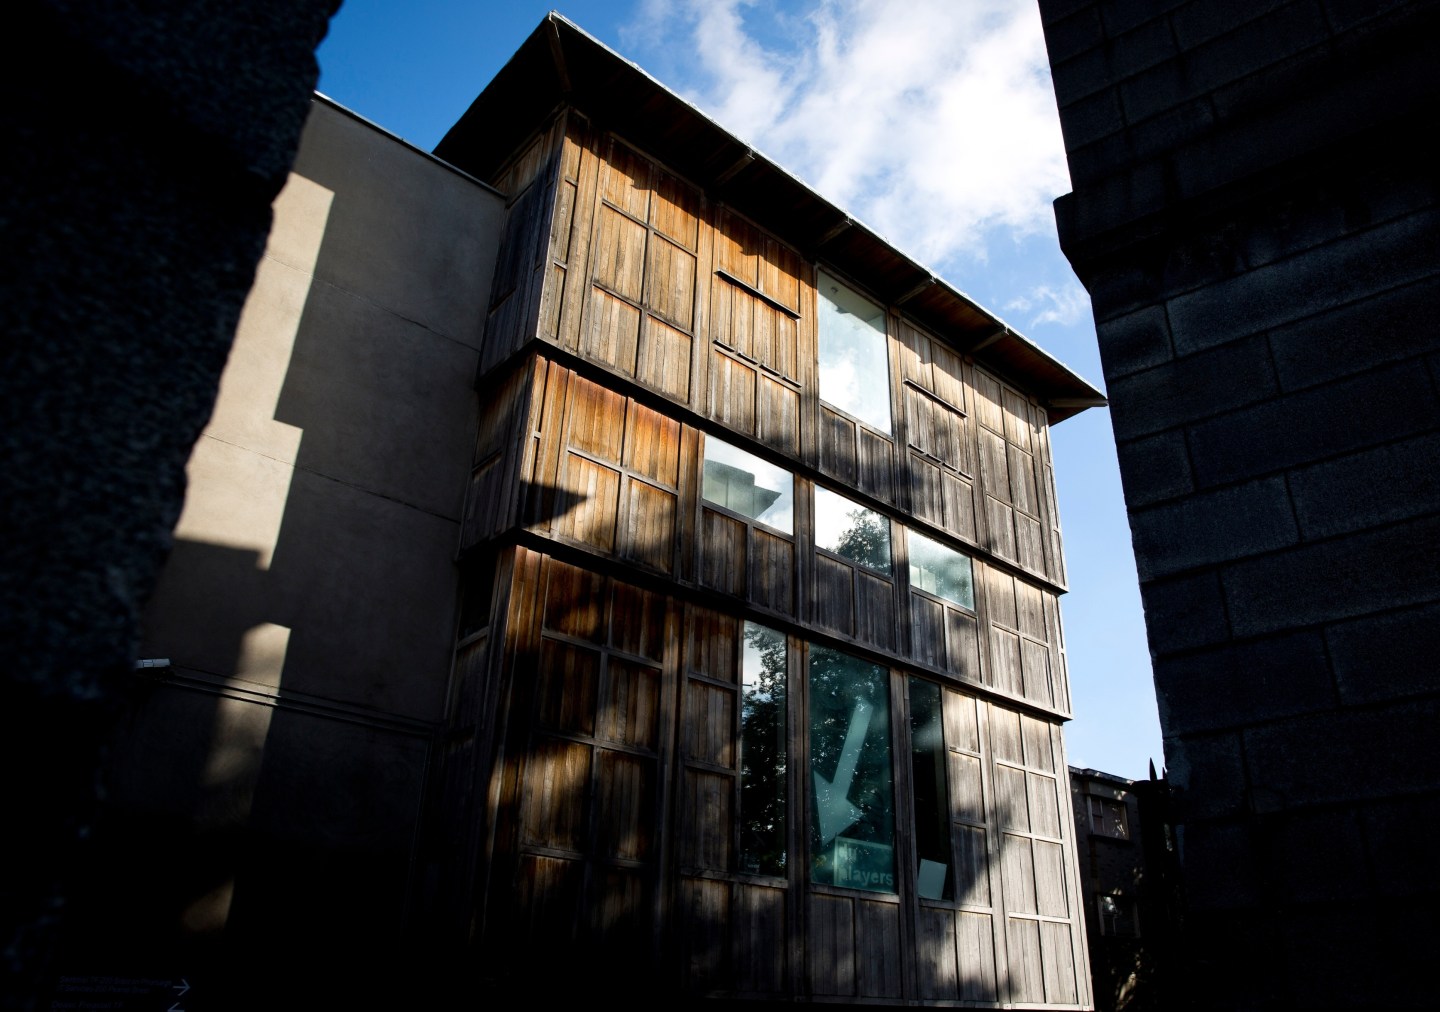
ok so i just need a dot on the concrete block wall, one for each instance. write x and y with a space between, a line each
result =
1255 216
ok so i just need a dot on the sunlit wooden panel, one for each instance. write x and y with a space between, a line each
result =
1027 977
625 806
937 972
664 359
778 415
705 828
1005 735
555 795
712 643
1011 805
1017 868
927 631
775 339
612 335
1039 753
875 614
837 446
732 317
737 248
947 375
675 210
1029 543
732 393
1035 671
652 444
876 465
1005 661
975 942
1050 890
594 413
648 535
1023 491
774 572
759 940
972 872
723 553
589 503
710 723
630 712
567 687
574 600
987 402
1044 805
994 467
1030 603
830 945
966 787
780 276
927 495
625 181
564 218
877 949
962 728
619 254
1058 956
1017 419
671 281
834 608
963 645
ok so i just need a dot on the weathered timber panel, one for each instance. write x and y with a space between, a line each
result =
1018 628
877 949
1014 468
502 454
759 940
936 957
944 635
830 945
934 398
975 942
704 910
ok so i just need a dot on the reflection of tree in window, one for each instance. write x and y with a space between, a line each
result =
763 755
941 571
932 808
852 829
851 531
854 360
744 483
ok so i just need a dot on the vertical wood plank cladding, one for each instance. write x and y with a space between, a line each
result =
737 247
710 723
712 643
967 787
962 727
631 711
619 254
723 553
582 158
758 939
975 941
625 806
573 603
732 393
877 950
1027 977
1018 870
1000 597
648 533
876 465
838 453
1005 740
1050 886
637 621
665 359
548 892
972 866
772 572
778 415
962 646
1005 670
567 686
625 181
676 211
1058 963
619 922
555 796
834 596
613 333
937 972
670 279
830 938
1011 804
594 420
705 910
591 493
927 631
875 618
1035 672
1037 736
705 829
1044 805
780 275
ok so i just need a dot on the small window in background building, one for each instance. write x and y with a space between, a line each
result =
852 531
745 484
1117 917
1107 818
941 571
854 355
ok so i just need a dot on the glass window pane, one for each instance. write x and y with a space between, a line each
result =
932 806
854 360
763 753
941 571
744 483
852 531
852 825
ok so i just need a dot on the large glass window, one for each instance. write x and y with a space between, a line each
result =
941 571
932 806
763 753
852 531
852 825
854 361
744 483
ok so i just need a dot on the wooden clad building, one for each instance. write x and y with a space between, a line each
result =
760 678
609 570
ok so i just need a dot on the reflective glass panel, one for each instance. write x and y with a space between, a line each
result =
941 571
744 483
852 824
932 808
852 531
763 753
854 361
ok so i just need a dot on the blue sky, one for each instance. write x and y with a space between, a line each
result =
934 123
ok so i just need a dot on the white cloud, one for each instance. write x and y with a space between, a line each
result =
933 121
1066 305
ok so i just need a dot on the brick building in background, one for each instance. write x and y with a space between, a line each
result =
1255 217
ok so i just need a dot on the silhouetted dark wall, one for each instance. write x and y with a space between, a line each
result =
143 145
1257 219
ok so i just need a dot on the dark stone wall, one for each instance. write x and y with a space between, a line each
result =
1256 216
143 145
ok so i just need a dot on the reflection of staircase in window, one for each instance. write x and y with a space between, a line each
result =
735 489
